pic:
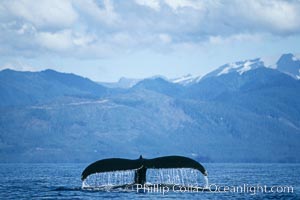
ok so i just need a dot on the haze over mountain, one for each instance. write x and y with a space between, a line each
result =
241 112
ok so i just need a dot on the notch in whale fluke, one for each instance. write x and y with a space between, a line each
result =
141 165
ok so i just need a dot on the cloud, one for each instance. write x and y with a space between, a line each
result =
95 12
42 13
58 41
175 5
90 28
220 40
153 4
276 17
165 38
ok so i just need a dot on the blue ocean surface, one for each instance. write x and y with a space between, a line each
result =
62 181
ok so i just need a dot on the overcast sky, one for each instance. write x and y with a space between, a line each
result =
105 40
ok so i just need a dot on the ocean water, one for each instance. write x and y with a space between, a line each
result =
62 181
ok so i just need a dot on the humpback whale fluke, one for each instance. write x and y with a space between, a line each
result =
141 165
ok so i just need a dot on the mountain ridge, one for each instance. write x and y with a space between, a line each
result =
234 117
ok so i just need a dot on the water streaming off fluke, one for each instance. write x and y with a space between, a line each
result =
172 176
115 178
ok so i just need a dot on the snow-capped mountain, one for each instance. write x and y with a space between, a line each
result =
286 63
186 79
243 105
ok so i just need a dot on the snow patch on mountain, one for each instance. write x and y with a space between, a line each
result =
227 69
246 67
286 63
239 67
186 79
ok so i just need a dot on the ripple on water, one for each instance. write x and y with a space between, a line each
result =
62 181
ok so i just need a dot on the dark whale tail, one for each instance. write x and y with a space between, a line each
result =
141 165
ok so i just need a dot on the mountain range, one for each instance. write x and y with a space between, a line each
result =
247 111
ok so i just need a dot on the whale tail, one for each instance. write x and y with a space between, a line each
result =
141 165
